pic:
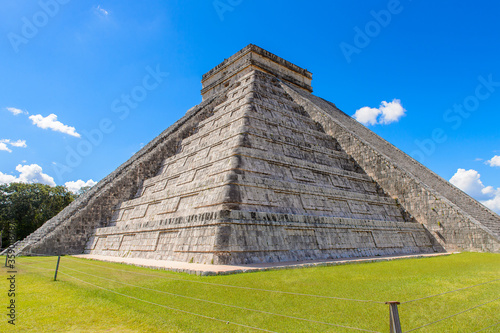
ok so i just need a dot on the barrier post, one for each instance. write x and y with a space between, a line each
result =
57 267
394 317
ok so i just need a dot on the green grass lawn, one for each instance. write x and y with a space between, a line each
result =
77 302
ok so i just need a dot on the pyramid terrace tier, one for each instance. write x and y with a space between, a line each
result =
236 237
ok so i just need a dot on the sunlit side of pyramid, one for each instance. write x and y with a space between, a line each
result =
264 171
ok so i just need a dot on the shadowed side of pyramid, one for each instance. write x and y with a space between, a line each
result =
264 171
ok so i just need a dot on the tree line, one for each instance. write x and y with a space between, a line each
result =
25 207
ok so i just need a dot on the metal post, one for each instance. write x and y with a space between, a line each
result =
57 268
6 257
394 317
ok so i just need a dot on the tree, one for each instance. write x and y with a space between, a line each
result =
25 207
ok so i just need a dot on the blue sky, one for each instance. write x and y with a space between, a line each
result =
67 68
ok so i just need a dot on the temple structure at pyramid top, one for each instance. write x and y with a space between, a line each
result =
264 171
252 58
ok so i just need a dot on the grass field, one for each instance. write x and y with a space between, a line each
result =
136 299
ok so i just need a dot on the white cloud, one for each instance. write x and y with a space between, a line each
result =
16 111
18 143
7 179
28 174
494 162
494 203
386 113
3 147
391 112
470 182
51 122
101 10
367 115
76 186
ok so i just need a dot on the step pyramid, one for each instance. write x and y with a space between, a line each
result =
264 171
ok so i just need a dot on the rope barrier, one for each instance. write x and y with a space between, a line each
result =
46 268
447 292
37 260
33 263
34 255
40 255
453 315
232 286
168 307
482 329
222 304
257 289
34 258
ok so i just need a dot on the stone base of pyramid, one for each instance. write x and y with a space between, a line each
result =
238 237
204 269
